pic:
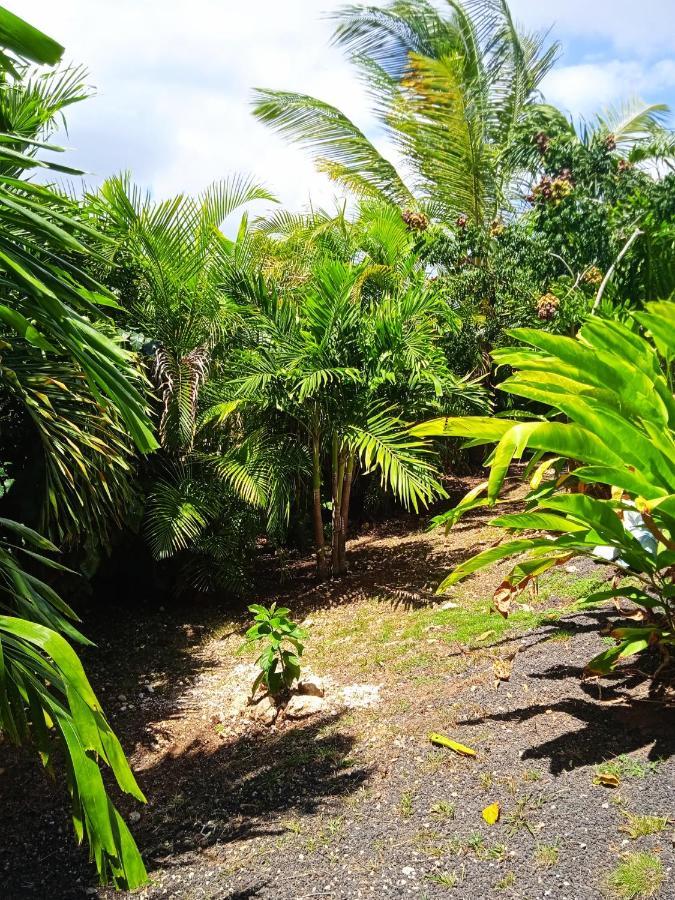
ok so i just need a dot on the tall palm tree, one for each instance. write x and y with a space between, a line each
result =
61 362
450 93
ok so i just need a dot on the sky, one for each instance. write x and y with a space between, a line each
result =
173 80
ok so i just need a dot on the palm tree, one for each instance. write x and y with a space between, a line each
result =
206 488
341 359
62 364
450 92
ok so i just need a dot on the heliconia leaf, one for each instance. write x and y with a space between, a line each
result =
488 557
443 741
604 662
466 426
539 521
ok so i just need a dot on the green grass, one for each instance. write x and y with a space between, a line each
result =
443 810
506 881
560 634
637 826
465 624
547 855
446 879
627 767
638 876
406 805
561 585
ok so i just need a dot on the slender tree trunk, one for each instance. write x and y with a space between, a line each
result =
338 475
319 537
344 511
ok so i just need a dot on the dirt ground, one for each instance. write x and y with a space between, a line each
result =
355 802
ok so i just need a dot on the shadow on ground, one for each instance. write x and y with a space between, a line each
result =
203 797
607 729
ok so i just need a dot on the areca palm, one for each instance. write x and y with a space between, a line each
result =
61 362
207 488
451 92
344 357
180 310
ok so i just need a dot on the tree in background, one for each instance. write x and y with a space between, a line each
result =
345 357
171 263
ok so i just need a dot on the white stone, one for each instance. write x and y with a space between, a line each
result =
300 706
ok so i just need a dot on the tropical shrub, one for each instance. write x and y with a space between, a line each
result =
280 640
169 264
610 427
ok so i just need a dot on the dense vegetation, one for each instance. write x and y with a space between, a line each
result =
170 387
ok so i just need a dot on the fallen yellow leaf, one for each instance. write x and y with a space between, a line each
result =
491 813
607 779
444 741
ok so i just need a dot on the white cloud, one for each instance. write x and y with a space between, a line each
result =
587 87
174 79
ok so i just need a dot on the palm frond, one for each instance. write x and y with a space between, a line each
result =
631 122
330 135
384 443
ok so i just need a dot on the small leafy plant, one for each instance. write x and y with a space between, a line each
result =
281 641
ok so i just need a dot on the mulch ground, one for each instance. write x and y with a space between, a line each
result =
358 803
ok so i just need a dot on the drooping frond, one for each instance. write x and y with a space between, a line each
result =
631 122
330 135
178 509
384 444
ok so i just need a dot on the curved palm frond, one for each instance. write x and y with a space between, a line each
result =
384 444
330 136
631 122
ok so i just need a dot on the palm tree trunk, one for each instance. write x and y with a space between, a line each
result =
344 512
338 475
319 536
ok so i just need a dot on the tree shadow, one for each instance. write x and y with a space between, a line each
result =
607 730
398 573
207 796
202 799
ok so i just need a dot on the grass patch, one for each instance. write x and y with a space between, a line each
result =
406 806
561 635
637 826
446 879
625 766
547 855
637 877
506 881
465 624
443 810
557 584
